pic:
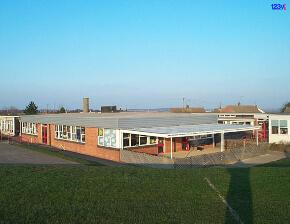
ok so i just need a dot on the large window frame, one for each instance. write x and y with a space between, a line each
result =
7 126
283 127
135 140
279 127
29 128
107 137
70 133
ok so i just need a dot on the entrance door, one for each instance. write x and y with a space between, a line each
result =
185 145
44 134
160 145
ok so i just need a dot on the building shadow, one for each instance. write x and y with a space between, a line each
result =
239 197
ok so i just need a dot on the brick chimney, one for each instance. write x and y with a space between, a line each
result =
85 105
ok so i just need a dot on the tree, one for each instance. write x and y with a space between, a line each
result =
287 104
31 108
62 110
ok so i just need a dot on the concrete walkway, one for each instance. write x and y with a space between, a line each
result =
269 157
14 155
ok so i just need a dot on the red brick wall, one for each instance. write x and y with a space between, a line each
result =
176 145
33 138
146 149
89 148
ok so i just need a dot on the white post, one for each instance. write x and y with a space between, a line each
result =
171 147
121 136
13 125
222 142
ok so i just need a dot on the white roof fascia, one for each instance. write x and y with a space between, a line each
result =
184 134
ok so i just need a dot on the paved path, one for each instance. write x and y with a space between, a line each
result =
269 157
14 155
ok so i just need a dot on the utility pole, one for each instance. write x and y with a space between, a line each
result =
182 104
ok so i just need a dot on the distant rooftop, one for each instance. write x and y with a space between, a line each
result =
241 109
187 110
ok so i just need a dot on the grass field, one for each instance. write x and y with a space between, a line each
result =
99 194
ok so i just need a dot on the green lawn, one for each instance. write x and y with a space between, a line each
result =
98 194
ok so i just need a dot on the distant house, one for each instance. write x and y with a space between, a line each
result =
287 110
279 125
241 109
217 110
187 110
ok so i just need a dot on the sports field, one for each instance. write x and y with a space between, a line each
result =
99 194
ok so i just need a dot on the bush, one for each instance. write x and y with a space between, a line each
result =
282 146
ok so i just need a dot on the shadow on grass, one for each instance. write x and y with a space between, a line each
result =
239 196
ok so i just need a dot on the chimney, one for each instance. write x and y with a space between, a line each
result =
239 103
85 105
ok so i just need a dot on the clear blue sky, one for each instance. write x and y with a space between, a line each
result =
144 54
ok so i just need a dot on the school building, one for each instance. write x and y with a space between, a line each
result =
105 134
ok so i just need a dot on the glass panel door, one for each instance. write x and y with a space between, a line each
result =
44 134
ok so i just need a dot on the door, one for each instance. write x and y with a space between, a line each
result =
44 134
160 145
185 145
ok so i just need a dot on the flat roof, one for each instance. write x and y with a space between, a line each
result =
122 120
190 130
122 114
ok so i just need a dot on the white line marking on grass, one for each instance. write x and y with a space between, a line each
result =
225 202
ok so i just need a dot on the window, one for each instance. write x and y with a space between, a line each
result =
274 126
143 140
126 139
70 133
107 137
283 127
29 128
7 126
131 140
152 140
134 140
101 136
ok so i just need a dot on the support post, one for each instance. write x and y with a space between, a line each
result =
213 143
13 125
171 148
222 141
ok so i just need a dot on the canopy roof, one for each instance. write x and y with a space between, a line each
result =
190 130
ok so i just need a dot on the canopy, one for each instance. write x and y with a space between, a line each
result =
190 130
